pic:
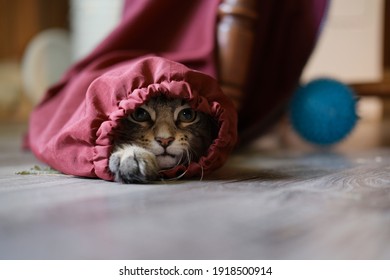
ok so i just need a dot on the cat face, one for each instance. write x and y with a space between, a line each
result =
170 129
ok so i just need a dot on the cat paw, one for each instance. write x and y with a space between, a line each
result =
131 164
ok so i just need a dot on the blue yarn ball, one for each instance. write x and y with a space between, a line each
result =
323 111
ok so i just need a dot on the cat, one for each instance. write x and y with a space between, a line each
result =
159 135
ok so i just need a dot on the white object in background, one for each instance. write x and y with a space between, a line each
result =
350 47
45 60
91 21
10 88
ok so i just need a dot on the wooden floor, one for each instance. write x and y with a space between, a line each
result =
266 203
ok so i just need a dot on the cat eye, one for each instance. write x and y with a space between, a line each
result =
141 115
186 115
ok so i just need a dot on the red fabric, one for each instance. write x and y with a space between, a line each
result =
76 136
72 128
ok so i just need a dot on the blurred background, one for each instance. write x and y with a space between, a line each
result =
41 38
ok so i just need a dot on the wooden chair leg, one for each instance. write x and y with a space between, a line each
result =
235 40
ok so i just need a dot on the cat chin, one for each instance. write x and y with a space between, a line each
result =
166 161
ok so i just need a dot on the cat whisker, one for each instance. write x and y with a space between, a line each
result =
184 160
202 174
175 178
195 156
189 158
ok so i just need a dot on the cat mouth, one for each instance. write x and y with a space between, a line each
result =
166 160
165 154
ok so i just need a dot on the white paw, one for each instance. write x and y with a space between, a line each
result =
132 164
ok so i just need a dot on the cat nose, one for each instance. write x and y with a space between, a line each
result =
164 142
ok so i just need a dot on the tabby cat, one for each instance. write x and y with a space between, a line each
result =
159 135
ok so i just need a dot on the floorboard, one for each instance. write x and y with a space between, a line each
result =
264 204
